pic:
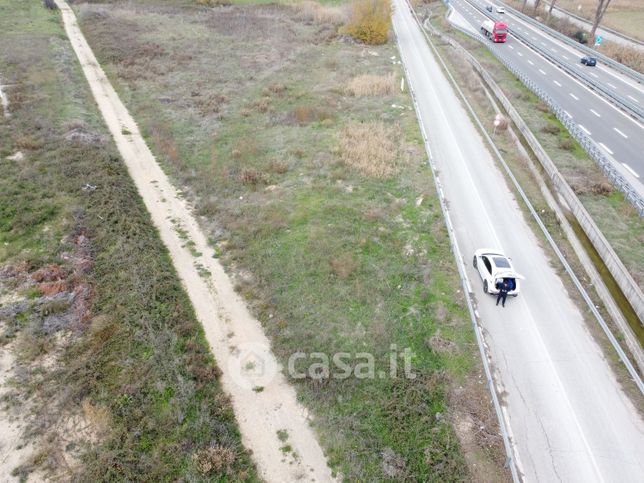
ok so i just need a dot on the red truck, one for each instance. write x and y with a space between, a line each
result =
497 31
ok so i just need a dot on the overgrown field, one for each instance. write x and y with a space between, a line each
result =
112 378
305 163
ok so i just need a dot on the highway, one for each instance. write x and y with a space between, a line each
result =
617 133
568 418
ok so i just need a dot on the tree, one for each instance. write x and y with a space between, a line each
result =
552 4
602 5
523 6
536 6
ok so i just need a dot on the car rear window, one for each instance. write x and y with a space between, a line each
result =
501 262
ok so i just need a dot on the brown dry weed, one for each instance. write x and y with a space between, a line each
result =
372 85
370 147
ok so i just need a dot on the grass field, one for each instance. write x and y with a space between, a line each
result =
113 377
316 194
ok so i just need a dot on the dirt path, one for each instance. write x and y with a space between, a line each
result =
263 402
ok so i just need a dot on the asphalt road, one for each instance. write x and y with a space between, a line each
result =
621 137
568 417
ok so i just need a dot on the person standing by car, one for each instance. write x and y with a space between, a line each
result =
503 288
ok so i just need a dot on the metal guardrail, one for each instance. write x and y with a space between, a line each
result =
601 158
587 50
632 108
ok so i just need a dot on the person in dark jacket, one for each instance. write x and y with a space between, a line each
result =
504 288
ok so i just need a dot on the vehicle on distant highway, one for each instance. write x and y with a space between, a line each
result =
589 61
500 10
493 266
489 8
496 31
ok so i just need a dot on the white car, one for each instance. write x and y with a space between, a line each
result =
500 10
494 266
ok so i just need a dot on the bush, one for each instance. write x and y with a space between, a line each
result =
50 4
370 21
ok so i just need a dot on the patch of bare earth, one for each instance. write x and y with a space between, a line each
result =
40 312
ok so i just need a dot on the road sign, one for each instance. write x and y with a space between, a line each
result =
598 40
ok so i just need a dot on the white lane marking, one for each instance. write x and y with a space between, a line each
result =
574 96
595 113
607 149
558 83
620 133
543 43
512 48
632 98
554 50
565 57
584 129
530 62
568 114
542 71
594 75
520 54
630 170
611 85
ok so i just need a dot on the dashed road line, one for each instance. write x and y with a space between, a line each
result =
584 129
595 113
606 148
530 62
620 133
567 114
558 83
574 96
611 85
565 57
632 98
511 47
630 170
520 54
542 71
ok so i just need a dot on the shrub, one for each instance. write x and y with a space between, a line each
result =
550 129
50 4
370 21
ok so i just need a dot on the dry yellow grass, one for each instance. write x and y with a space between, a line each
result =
371 148
323 14
372 85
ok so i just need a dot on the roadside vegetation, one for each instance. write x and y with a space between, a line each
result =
306 166
106 375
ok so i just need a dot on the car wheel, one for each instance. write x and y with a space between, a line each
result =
515 294
485 286
474 261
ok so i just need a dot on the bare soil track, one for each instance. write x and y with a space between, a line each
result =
230 329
